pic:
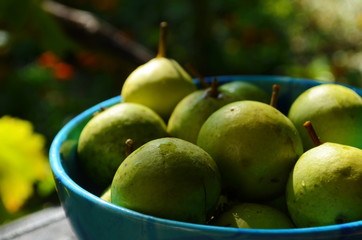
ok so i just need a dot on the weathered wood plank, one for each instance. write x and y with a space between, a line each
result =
48 224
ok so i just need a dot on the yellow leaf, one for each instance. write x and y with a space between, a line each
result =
23 161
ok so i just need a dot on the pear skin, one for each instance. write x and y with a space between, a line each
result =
255 147
325 186
254 215
192 111
244 91
158 84
101 147
106 195
169 178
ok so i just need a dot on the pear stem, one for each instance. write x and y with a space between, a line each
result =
162 41
196 74
275 95
101 109
213 91
129 146
312 133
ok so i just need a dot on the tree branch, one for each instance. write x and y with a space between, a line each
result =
86 28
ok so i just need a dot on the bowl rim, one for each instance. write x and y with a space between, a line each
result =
60 173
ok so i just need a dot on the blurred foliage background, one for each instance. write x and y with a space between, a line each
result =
57 58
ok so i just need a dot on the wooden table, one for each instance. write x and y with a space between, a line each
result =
47 224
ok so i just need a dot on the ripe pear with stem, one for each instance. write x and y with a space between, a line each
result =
324 187
160 83
255 147
103 143
169 178
193 110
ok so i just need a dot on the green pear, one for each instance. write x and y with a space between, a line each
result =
158 84
193 110
244 91
335 110
168 178
102 143
324 187
255 147
254 215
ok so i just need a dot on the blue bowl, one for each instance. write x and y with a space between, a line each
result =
93 218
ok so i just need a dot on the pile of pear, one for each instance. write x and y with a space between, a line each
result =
224 154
